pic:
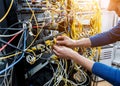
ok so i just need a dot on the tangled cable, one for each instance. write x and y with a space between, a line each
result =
78 19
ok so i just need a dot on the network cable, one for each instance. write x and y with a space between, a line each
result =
24 46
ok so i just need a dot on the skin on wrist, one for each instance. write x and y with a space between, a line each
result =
84 42
86 63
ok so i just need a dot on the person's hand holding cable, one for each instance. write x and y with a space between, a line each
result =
108 73
66 41
63 52
64 44
68 53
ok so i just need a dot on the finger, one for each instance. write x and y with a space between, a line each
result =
60 38
56 53
56 48
60 42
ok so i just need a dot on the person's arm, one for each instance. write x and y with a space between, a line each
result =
84 62
65 52
100 39
66 41
107 37
108 73
84 42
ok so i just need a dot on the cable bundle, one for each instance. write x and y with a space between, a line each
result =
42 19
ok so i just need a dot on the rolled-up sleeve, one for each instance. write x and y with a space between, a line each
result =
110 74
107 37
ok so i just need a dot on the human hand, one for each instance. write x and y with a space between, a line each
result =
66 41
63 52
68 53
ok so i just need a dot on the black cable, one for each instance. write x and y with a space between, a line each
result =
14 25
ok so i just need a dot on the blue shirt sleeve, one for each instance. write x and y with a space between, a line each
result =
107 37
110 74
